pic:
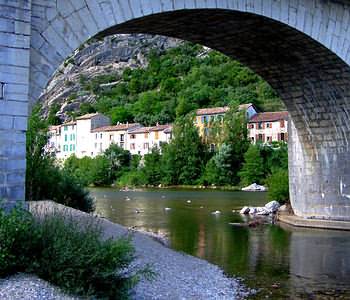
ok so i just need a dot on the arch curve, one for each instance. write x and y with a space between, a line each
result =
301 48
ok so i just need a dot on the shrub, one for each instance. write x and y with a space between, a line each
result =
68 253
278 184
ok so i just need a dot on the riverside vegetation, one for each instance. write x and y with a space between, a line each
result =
68 254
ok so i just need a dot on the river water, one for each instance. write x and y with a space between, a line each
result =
283 262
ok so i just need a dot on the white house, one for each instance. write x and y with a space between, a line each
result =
142 140
68 140
268 127
103 137
85 125
54 142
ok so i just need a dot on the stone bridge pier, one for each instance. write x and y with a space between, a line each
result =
302 48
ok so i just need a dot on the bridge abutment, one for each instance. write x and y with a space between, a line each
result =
15 30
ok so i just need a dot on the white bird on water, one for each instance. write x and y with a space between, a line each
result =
217 212
138 211
127 199
167 208
189 201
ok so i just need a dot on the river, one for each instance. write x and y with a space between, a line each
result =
283 262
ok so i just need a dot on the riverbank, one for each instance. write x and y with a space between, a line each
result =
181 187
179 276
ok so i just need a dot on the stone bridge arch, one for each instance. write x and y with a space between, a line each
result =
300 47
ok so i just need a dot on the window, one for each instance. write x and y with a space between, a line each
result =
111 137
70 147
282 137
65 137
95 145
73 136
73 147
204 119
121 145
65 128
132 146
96 136
282 123
100 135
269 139
156 135
132 136
252 139
145 146
122 137
212 147
268 125
251 126
260 137
206 131
260 125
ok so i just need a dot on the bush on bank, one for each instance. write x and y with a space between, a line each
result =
44 178
278 184
68 254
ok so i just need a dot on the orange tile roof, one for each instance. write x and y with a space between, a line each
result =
150 129
269 117
212 111
87 116
118 127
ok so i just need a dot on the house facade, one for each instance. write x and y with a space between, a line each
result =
141 140
85 125
105 136
268 127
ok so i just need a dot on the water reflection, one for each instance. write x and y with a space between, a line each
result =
282 261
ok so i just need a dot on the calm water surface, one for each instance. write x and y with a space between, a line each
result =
284 262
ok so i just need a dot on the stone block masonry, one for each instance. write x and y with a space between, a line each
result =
15 28
301 48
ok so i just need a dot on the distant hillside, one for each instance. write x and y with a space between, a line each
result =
138 78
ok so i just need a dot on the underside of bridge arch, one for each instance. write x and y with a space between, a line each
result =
312 81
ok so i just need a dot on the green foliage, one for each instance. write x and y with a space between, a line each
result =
174 83
52 119
278 185
18 241
69 254
44 179
184 157
152 171
100 171
253 167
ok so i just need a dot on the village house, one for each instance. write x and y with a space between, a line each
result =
105 136
85 125
268 127
142 140
206 117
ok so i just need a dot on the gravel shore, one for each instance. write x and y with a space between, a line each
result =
179 276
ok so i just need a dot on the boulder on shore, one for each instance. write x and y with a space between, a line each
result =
272 206
254 188
244 210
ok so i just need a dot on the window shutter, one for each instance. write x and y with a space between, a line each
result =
279 137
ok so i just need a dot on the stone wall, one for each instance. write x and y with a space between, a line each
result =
302 48
15 26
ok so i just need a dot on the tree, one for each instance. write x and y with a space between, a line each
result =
119 160
234 135
44 179
152 167
253 167
278 184
218 170
184 157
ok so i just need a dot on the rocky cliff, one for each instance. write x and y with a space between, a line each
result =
112 55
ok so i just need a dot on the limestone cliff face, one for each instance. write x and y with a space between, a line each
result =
111 55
